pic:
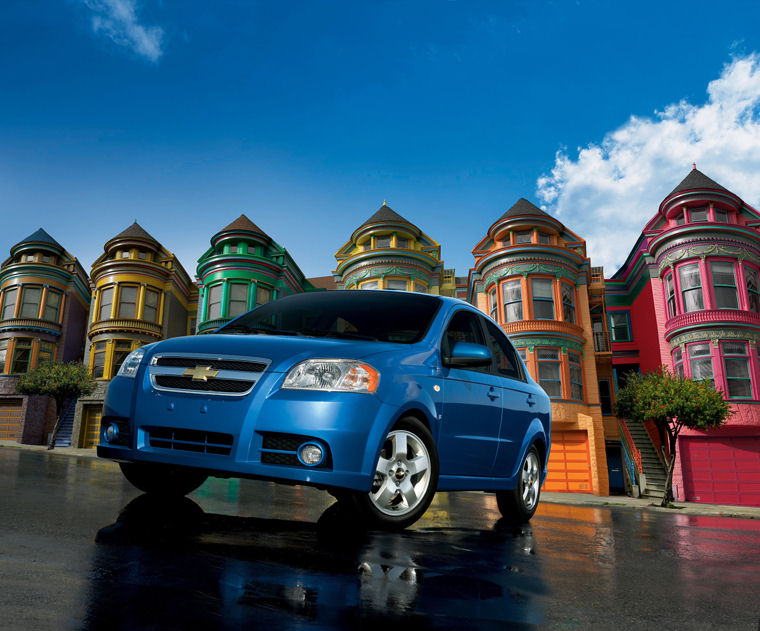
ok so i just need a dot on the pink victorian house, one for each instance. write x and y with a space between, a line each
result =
688 297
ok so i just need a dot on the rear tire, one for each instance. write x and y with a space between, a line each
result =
406 477
519 505
161 479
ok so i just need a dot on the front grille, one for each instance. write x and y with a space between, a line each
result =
289 460
227 376
283 442
197 441
214 364
213 385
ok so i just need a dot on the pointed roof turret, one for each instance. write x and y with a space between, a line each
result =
244 224
40 236
697 180
386 214
523 207
135 231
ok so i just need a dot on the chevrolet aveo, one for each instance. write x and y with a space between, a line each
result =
380 398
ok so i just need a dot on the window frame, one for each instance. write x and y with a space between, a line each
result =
212 302
716 286
505 287
544 361
240 303
743 357
693 288
579 366
568 304
10 290
612 327
541 300
700 359
34 307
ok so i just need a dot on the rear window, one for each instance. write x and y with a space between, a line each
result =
373 315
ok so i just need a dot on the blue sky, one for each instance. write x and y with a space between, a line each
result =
305 116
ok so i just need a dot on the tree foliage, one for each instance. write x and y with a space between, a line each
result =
59 381
672 402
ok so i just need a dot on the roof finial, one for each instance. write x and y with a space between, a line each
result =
385 203
694 166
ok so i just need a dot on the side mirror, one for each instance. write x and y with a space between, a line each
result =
468 355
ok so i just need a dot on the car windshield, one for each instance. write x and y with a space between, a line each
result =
366 315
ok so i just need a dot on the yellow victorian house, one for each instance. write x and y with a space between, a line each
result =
389 252
141 294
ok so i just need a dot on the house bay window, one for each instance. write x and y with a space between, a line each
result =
691 287
724 285
238 302
549 368
543 299
736 368
30 302
106 301
512 292
214 302
753 291
9 303
701 361
568 303
670 295
576 376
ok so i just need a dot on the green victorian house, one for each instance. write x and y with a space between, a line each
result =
389 252
242 269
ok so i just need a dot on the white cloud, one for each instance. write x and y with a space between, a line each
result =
611 189
117 19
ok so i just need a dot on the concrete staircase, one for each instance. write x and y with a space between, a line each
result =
653 469
66 427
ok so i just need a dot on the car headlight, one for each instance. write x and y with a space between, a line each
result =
335 375
132 362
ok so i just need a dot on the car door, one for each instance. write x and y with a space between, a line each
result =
517 399
471 409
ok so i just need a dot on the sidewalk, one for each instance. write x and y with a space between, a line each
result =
572 499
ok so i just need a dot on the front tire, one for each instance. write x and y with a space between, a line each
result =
160 479
406 477
519 505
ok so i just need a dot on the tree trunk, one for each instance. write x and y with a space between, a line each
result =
667 498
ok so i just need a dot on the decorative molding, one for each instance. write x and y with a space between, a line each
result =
703 250
715 336
529 268
356 276
532 342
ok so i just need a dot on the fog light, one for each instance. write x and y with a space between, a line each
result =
310 454
112 432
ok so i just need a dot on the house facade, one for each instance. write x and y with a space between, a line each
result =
44 299
140 294
688 298
533 277
389 252
243 268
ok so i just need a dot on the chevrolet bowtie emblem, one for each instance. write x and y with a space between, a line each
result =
200 373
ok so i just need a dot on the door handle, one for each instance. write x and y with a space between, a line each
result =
493 394
531 401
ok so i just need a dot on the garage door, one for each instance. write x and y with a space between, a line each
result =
569 463
722 470
91 425
10 419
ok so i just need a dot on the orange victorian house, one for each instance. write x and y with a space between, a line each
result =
532 276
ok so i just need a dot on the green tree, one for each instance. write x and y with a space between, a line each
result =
673 403
59 381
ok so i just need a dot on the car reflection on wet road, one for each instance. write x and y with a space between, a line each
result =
80 549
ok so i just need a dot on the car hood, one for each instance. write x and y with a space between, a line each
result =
282 350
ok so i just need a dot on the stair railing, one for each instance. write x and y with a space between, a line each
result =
627 440
59 420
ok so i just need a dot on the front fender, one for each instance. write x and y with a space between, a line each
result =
535 434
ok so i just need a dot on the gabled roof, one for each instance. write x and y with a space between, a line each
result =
135 231
40 236
697 180
242 223
523 207
386 214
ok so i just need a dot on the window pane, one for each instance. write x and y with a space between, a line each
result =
402 243
9 306
373 284
548 370
383 242
699 215
547 353
512 291
513 312
122 348
734 348
568 303
721 216
696 350
150 309
398 285
51 306
30 302
692 300
753 296
419 288
701 369
677 355
21 356
263 295
544 238
128 302
238 303
106 297
739 388
215 302
542 289
543 310
524 236
736 368
3 353
690 276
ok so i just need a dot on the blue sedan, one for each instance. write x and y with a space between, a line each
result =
381 398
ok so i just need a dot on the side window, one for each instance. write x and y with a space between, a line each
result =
463 327
505 361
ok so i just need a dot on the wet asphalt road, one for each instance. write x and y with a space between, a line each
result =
81 549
